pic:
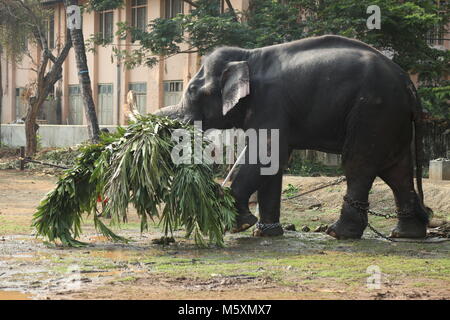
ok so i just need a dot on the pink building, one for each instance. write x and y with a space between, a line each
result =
155 87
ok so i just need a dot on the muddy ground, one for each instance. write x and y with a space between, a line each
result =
299 265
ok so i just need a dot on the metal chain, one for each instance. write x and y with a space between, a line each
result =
365 208
338 181
384 215
267 226
360 205
378 233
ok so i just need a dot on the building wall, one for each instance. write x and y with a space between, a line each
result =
54 136
103 68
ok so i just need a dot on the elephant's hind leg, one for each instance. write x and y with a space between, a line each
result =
353 218
413 218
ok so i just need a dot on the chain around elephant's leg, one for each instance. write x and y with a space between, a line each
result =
353 219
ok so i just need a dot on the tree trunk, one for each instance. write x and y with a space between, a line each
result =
1 94
84 79
45 81
31 127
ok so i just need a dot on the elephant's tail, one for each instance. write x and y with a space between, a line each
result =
418 146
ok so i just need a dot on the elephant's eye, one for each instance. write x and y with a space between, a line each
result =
192 88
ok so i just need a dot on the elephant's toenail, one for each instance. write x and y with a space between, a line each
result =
257 233
332 233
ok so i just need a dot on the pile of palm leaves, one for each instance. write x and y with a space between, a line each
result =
134 166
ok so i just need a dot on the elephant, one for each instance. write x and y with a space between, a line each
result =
328 93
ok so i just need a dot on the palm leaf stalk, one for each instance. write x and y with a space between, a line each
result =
134 166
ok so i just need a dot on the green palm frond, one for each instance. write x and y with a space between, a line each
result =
134 166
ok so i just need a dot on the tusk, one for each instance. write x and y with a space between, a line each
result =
132 106
234 166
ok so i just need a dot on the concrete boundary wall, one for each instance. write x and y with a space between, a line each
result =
55 136
13 135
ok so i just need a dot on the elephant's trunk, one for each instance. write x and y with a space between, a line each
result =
172 112
176 112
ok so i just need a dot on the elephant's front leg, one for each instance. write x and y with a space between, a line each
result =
269 198
244 185
249 180
264 177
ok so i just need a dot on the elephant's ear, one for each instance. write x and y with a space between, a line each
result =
235 84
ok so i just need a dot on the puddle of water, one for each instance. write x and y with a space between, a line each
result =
13 295
102 274
22 256
123 254
113 255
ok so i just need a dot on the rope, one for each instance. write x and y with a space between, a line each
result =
43 163
335 182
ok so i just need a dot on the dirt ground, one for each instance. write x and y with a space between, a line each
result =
299 265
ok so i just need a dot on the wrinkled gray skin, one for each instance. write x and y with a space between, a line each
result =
330 94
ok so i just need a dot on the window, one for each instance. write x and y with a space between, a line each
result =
140 91
75 105
105 104
436 36
50 31
172 92
21 108
139 14
172 8
106 19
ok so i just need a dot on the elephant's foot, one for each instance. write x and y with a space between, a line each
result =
342 231
243 222
350 225
412 222
268 230
409 228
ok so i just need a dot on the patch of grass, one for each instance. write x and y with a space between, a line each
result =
420 284
308 168
310 218
441 215
126 279
290 190
14 227
337 266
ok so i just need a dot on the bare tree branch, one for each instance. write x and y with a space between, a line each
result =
39 34
191 3
28 54
230 7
